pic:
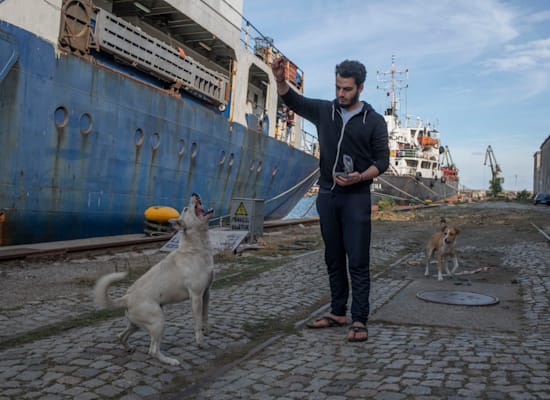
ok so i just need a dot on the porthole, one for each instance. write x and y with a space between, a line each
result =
61 117
194 150
222 158
259 167
181 147
139 137
231 160
85 123
275 170
155 141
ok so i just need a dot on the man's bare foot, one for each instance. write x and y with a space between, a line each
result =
357 332
328 321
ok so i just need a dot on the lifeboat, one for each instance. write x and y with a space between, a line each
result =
426 141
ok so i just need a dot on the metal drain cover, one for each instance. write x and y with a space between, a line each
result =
457 298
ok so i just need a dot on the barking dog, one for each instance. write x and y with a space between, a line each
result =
444 243
187 272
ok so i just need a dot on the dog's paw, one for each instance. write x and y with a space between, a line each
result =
173 362
165 359
170 361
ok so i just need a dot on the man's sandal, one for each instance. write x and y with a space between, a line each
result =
358 329
331 323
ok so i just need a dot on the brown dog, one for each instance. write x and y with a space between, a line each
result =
444 243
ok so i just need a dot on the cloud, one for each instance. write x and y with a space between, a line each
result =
521 57
445 28
538 17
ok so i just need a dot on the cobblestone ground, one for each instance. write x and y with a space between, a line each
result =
400 361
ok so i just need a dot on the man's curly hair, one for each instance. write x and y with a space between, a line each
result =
352 69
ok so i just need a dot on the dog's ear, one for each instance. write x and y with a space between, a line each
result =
457 231
443 228
177 223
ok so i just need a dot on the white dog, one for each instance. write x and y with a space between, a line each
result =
187 272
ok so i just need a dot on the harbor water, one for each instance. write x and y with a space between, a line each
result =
305 208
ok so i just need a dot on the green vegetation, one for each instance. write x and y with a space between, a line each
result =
386 204
524 196
495 187
71 323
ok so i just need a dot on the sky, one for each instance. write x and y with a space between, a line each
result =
479 70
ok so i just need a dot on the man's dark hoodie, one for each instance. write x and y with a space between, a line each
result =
364 138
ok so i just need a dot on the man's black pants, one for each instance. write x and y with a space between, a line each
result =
345 220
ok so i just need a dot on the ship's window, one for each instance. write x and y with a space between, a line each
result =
138 137
231 159
275 170
194 149
222 158
155 141
259 168
181 147
86 123
61 117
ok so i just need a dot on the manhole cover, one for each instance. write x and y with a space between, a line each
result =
457 298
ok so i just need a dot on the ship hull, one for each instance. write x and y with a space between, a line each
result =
409 189
86 150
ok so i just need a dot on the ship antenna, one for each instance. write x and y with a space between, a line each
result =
392 85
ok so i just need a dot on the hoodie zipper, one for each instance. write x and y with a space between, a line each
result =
342 138
337 148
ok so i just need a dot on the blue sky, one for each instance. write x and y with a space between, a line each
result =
478 70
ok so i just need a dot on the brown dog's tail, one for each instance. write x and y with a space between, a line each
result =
101 297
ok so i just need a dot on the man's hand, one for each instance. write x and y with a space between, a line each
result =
278 68
346 180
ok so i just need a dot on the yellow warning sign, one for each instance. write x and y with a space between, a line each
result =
241 210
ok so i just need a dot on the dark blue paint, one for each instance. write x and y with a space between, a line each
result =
57 183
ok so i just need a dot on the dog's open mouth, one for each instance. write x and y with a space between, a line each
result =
199 209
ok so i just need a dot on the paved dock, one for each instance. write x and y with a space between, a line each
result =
428 352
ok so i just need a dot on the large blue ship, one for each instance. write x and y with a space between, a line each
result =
108 107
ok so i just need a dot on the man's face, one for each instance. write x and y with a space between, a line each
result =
347 92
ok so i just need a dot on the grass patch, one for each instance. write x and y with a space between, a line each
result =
57 328
248 269
258 332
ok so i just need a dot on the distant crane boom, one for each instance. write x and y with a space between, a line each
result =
495 168
496 181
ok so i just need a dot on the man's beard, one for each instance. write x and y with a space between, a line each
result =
352 101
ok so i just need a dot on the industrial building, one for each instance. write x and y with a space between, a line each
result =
541 172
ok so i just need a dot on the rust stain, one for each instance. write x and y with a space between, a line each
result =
2 221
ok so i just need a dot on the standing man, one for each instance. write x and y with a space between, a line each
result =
353 141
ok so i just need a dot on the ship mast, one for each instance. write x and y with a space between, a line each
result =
392 85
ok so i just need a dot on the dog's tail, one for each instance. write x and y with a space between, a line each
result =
101 297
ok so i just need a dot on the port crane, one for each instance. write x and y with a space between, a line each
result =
450 171
496 181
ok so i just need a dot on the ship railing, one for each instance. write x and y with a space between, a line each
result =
404 153
130 43
310 144
262 46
